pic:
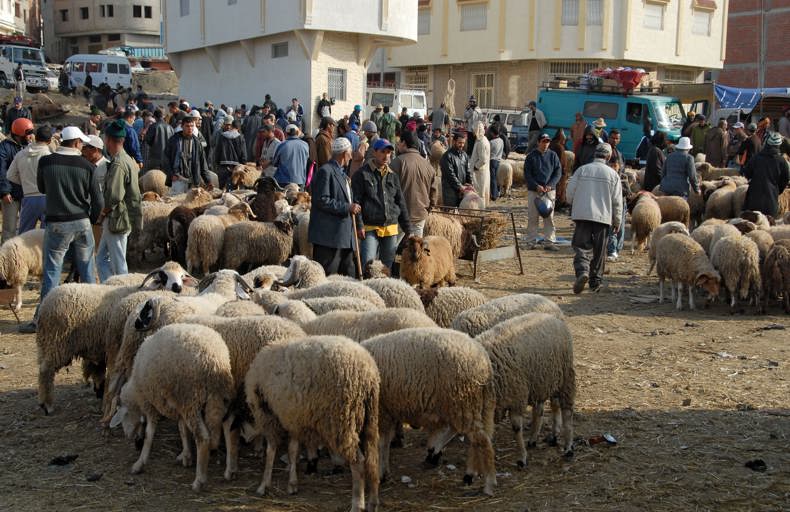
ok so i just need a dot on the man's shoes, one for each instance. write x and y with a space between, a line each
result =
28 328
578 286
550 246
595 287
612 257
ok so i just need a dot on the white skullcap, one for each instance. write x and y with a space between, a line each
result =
340 145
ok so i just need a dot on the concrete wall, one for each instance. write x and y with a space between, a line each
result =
7 22
122 20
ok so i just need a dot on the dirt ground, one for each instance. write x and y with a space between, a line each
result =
689 396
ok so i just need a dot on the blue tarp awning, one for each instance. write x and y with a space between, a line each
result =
736 97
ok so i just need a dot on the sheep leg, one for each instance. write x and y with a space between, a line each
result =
18 300
271 451
436 443
481 452
567 431
201 468
46 385
385 438
150 429
633 243
312 459
517 423
185 457
231 448
293 460
672 291
556 422
537 422
358 483
661 290
679 304
691 298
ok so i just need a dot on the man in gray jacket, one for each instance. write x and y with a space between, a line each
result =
595 194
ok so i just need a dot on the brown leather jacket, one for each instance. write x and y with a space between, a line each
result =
418 184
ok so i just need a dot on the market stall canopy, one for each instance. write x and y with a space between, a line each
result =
746 99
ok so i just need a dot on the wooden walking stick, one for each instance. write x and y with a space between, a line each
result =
356 246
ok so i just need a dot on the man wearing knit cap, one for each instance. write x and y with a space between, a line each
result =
767 173
290 158
377 189
331 229
121 212
595 195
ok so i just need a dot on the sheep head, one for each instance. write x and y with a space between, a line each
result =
149 314
170 276
297 267
266 185
374 269
284 222
241 211
265 281
151 197
709 281
427 295
198 194
415 248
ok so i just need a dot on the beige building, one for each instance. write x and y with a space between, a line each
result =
503 50
87 26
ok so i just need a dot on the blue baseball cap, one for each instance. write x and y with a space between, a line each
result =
382 144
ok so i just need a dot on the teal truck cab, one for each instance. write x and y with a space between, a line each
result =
634 115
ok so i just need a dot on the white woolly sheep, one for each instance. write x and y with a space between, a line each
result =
375 269
346 422
664 229
243 176
437 379
154 181
764 241
238 308
737 259
720 232
303 273
20 257
708 172
73 321
471 199
776 275
703 234
258 243
302 244
303 311
448 227
361 325
442 305
759 219
674 209
719 204
481 318
645 217
182 372
738 198
339 288
396 293
683 261
207 236
267 274
532 360
504 178
780 232
428 262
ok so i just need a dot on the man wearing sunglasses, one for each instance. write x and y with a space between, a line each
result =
11 193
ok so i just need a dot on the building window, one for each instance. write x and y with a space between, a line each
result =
113 37
416 77
84 13
94 39
603 109
595 12
570 12
654 16
280 50
700 22
473 17
232 2
184 7
679 75
137 11
337 83
423 22
149 11
483 89
106 11
17 10
64 15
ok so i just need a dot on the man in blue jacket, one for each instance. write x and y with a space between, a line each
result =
542 172
290 158
331 229
131 142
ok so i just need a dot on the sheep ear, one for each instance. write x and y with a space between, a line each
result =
425 247
118 417
189 280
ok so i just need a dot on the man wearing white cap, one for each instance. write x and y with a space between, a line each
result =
73 204
679 171
290 158
596 198
331 230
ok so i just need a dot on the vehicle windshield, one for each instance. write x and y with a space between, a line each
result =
29 56
385 98
669 115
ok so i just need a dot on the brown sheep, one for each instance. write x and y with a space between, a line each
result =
674 208
428 262
645 217
263 205
776 275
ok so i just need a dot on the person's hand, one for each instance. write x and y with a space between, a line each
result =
210 187
140 165
541 189
175 177
354 208
361 233
7 199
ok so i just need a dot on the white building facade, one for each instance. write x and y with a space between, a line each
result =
502 50
236 51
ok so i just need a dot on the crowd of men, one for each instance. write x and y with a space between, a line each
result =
373 181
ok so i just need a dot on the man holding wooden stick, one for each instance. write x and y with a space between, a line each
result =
331 228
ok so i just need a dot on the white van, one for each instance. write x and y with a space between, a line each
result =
112 69
396 99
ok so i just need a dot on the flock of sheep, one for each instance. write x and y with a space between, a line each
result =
313 362
745 254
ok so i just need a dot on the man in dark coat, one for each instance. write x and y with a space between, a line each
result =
331 229
231 149
455 167
768 176
156 139
185 160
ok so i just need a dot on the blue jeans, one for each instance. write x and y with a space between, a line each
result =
111 254
33 209
615 241
57 238
383 248
493 166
